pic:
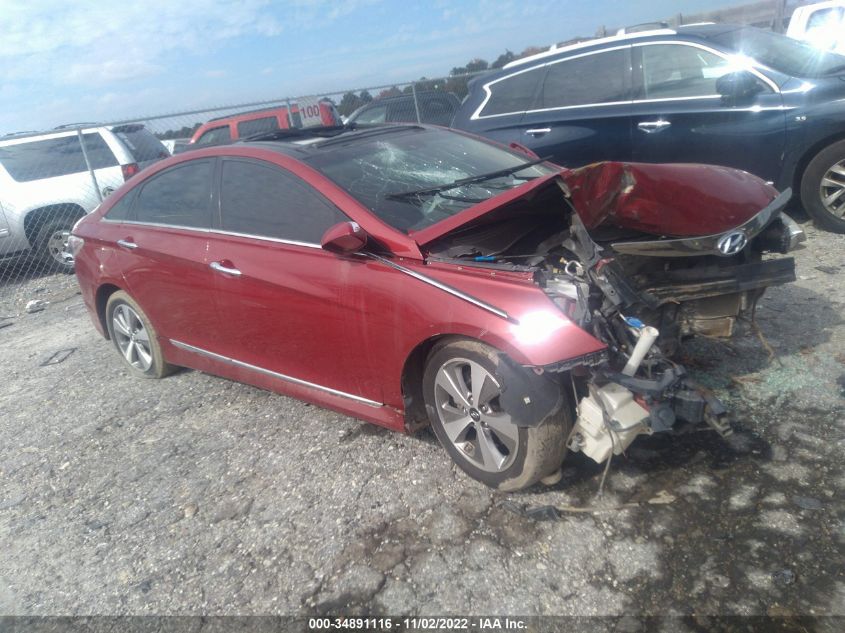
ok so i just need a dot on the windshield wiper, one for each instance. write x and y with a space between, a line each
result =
466 181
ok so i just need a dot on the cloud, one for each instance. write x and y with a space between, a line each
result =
110 71
90 42
215 74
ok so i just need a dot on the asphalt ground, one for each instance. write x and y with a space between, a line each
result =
196 495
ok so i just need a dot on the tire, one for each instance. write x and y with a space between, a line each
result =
821 180
134 337
483 441
51 244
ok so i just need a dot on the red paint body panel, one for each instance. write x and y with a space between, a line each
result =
676 200
346 322
387 416
327 116
94 270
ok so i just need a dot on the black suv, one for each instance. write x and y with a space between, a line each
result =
436 108
716 93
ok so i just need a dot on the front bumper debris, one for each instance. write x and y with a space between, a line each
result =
712 244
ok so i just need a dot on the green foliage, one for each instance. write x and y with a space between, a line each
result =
185 131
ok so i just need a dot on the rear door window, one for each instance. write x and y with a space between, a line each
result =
257 126
179 196
44 159
120 210
596 78
260 199
514 94
215 136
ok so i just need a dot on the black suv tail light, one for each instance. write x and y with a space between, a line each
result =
129 170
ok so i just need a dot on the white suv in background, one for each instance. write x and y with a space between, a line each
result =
47 182
821 24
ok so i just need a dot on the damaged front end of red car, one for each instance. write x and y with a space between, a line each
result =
641 257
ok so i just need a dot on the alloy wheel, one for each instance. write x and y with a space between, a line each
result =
832 190
467 400
132 337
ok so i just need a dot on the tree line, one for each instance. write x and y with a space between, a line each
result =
455 83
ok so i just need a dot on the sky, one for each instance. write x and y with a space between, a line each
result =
84 60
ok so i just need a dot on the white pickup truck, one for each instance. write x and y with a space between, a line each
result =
821 24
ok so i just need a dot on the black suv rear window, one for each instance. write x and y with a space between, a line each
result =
516 93
55 157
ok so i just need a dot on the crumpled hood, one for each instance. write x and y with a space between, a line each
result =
678 200
674 200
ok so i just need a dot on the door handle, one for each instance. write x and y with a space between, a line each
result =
653 126
539 131
127 243
220 268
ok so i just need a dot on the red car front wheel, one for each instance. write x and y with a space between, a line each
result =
462 385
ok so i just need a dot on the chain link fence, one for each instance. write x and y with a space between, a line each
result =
51 178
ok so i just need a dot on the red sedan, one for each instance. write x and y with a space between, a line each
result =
409 275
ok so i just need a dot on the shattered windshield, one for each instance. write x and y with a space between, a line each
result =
395 174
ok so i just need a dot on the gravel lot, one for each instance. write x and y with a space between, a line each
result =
196 495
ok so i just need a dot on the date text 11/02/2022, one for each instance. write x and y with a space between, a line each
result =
493 623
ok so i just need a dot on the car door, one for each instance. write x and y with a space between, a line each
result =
159 237
285 305
678 116
581 112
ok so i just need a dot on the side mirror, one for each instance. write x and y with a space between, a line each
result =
738 85
344 238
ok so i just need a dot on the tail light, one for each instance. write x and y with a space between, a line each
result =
74 245
129 170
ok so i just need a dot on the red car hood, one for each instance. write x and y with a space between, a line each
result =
677 200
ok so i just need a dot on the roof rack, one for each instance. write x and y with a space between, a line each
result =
642 27
65 126
556 50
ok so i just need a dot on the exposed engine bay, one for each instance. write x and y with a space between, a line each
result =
637 283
